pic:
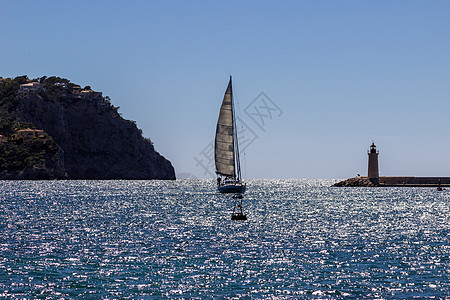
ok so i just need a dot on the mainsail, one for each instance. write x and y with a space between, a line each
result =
225 137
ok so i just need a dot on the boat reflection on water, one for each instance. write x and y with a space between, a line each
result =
238 213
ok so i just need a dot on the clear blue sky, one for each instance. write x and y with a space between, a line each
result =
343 73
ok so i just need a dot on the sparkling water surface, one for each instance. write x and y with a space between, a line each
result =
175 239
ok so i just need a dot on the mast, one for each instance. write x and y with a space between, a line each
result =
235 135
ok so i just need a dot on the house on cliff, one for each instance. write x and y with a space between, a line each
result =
78 93
90 94
29 134
31 86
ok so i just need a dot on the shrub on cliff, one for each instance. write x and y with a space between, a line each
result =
9 95
19 155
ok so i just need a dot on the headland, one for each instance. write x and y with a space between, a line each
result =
51 128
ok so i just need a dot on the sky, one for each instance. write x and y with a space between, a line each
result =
316 81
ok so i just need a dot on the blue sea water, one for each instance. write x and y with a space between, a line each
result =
175 239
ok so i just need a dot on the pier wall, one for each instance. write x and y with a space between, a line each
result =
416 181
397 181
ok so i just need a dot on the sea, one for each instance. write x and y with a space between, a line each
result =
302 239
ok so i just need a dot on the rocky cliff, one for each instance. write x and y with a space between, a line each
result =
95 142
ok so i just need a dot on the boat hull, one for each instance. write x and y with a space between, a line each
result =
238 217
232 188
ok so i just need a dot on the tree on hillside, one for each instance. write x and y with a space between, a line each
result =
54 80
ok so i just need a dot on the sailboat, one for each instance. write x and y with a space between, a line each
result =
226 148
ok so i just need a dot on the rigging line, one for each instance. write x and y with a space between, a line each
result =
241 129
236 140
240 126
245 165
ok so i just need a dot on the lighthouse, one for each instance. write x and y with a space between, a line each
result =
373 174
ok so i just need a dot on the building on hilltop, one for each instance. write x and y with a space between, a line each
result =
90 94
32 86
28 134
76 89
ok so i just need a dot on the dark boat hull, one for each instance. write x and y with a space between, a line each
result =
232 188
238 217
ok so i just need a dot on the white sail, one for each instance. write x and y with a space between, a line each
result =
224 144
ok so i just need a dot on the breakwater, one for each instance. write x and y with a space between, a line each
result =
388 181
